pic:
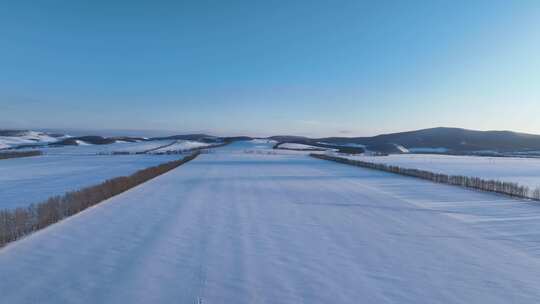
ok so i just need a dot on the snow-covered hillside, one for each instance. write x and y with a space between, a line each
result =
235 227
302 147
117 147
182 145
24 181
9 139
140 147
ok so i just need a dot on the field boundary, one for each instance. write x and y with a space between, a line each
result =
506 188
19 222
320 147
196 149
17 154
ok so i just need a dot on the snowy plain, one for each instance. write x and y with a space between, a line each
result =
236 227
524 171
295 146
182 145
24 181
88 149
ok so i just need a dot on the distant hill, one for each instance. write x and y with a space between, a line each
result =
434 140
92 140
196 137
16 138
460 140
95 140
438 140
236 138
288 138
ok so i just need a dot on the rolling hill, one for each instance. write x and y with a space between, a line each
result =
435 140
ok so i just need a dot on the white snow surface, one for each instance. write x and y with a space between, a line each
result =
296 146
524 171
140 146
264 141
82 143
27 137
182 145
402 149
233 227
28 180
120 146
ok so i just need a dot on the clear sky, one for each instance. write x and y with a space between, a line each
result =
305 67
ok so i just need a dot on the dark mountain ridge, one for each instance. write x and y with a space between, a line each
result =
450 140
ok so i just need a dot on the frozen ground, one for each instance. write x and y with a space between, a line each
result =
87 149
525 171
182 145
233 227
295 146
153 146
33 179
139 146
26 138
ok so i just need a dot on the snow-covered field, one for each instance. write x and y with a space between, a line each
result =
294 146
26 138
88 149
353 145
234 227
40 139
525 171
30 180
153 146
182 145
139 147
263 141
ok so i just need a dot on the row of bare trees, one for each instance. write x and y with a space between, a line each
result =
199 149
507 188
17 154
16 223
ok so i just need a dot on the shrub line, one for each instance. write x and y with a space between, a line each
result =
197 149
19 222
8 155
506 188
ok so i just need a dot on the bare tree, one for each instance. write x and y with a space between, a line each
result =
506 188
14 154
19 222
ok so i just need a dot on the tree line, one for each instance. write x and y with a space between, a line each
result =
13 154
506 188
18 222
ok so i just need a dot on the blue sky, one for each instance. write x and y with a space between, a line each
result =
306 67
